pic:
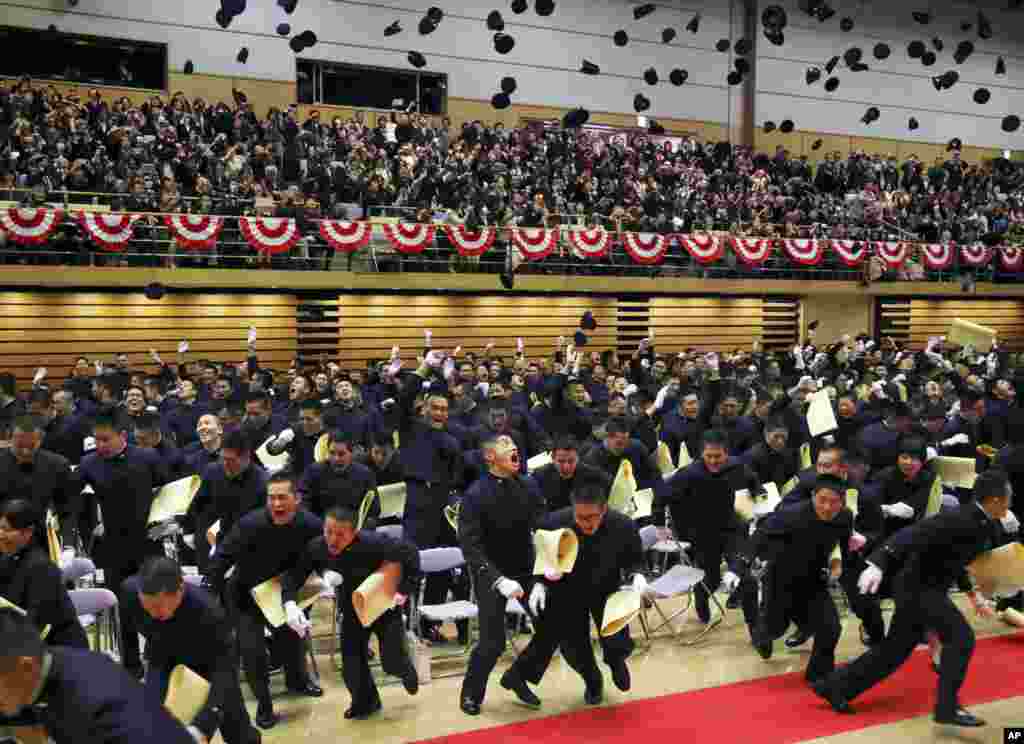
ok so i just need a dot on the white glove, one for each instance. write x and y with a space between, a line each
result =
711 360
663 534
332 579
645 363
899 510
798 351
386 404
870 579
659 400
519 345
508 588
538 598
39 376
870 345
829 439
639 583
930 454
434 359
66 556
448 369
183 347
251 338
483 387
99 368
296 620
285 437
427 336
552 575
960 438
1010 522
630 390
878 390
730 581
198 735
98 531
426 385
899 378
394 367
88 444
857 541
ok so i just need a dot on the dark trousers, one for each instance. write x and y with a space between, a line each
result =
491 644
252 644
235 726
918 609
113 578
812 610
867 607
425 526
394 655
565 622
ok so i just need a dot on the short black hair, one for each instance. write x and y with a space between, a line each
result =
311 405
108 418
566 443
590 491
383 439
258 397
148 422
341 514
40 395
776 424
715 438
992 484
617 425
283 476
831 482
21 514
339 436
237 439
160 575
8 385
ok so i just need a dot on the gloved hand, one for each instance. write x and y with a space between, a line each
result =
198 736
509 588
730 581
296 620
1010 522
183 347
519 345
39 376
930 454
251 338
88 444
400 599
878 390
394 367
435 359
448 369
659 400
663 534
981 605
285 437
98 531
552 575
711 359
333 579
857 541
639 583
394 353
630 390
899 510
66 556
538 598
427 336
870 579
956 439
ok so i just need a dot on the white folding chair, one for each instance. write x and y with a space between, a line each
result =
97 610
435 561
77 570
678 582
393 531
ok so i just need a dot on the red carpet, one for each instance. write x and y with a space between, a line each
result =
773 710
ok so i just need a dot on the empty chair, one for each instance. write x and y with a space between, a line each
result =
77 569
391 530
440 560
98 612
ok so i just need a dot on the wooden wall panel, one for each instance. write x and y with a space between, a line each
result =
371 324
721 323
932 317
52 329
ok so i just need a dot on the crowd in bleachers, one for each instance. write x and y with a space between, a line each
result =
172 155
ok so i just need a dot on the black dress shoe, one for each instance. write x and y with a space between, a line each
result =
764 649
593 695
798 639
266 718
620 675
734 600
838 702
868 639
470 707
310 689
959 717
362 713
511 680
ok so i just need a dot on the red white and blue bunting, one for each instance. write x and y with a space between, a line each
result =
705 249
645 248
346 237
804 252
411 237
111 232
850 252
937 256
30 226
534 243
195 232
471 243
589 243
271 235
752 251
976 255
1011 258
893 254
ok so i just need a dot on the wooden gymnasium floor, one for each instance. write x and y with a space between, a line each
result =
665 667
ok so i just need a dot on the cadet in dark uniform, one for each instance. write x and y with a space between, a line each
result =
124 478
499 514
702 500
355 555
338 481
558 479
301 448
148 433
796 543
771 460
206 449
79 696
183 624
923 560
42 477
617 447
264 544
29 579
609 549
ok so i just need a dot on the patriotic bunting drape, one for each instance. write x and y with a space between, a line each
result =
194 231
274 235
